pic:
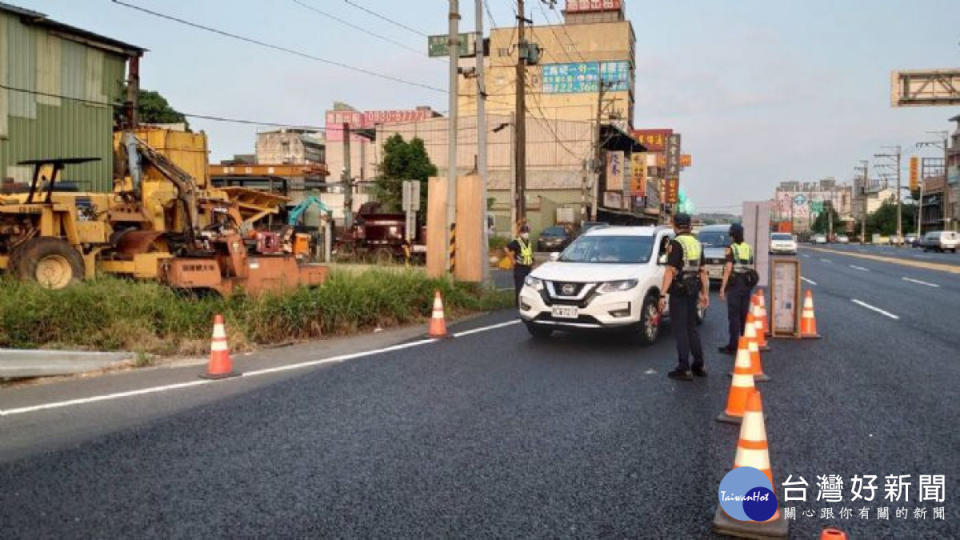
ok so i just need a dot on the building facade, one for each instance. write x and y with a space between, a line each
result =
63 86
290 147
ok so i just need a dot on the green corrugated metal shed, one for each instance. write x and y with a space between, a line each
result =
58 88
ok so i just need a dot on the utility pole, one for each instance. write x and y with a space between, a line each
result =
482 138
920 210
597 150
896 157
520 116
453 44
347 181
865 171
943 144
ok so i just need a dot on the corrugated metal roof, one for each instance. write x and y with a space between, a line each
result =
90 38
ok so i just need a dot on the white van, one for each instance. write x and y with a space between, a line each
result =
941 241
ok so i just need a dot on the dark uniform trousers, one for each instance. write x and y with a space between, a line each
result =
519 274
738 305
683 320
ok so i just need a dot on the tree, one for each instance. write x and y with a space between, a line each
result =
154 109
402 160
822 223
884 219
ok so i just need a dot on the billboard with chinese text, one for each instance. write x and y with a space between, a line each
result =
579 77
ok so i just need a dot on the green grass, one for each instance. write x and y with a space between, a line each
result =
151 319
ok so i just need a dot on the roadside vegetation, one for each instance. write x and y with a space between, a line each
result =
149 318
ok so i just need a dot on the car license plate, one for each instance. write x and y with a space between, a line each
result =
565 312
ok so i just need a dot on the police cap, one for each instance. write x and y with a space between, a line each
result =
681 220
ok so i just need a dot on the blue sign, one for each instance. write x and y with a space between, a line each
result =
799 200
585 77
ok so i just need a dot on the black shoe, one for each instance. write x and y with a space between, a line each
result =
680 375
727 350
699 372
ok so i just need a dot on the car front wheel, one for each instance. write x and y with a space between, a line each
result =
649 325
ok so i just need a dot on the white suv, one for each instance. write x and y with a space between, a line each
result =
607 278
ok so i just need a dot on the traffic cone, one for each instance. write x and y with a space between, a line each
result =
752 451
759 322
832 534
808 321
756 366
761 301
438 326
220 365
740 386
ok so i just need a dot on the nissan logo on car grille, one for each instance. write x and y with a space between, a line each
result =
568 289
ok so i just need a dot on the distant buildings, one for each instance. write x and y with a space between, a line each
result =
290 147
799 203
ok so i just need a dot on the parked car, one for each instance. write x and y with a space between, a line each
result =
896 240
555 238
715 239
608 278
910 239
819 239
843 239
783 244
941 241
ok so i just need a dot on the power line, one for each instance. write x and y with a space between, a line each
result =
554 32
385 18
486 6
564 29
280 48
356 27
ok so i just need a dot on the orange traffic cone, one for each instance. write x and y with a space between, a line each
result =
220 365
756 366
740 386
438 326
808 321
761 301
832 534
759 322
752 451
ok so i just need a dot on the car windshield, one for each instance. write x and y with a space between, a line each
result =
552 231
609 249
714 238
781 237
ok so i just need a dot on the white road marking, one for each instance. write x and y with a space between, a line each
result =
874 308
826 260
855 267
917 281
805 255
255 373
810 281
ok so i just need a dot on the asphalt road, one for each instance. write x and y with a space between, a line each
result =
909 253
496 434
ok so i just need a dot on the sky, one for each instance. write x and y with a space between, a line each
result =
762 91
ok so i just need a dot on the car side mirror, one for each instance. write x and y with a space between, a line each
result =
554 256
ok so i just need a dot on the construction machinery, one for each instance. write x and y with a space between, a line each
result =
163 221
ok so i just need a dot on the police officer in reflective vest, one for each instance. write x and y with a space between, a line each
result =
686 282
522 252
737 285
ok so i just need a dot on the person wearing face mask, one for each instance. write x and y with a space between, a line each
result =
521 251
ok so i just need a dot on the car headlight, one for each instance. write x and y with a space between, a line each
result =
531 281
617 286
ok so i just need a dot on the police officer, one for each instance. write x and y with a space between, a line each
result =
737 285
521 251
686 281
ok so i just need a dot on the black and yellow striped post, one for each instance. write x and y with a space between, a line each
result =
453 247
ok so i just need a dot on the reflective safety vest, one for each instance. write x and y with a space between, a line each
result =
525 257
691 252
742 257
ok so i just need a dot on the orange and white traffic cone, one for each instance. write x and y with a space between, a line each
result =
756 365
759 322
752 451
761 301
832 534
808 321
438 325
740 386
220 365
